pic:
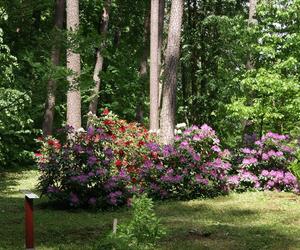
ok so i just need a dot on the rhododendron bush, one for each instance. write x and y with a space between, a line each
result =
97 167
264 165
113 160
80 171
195 166
128 140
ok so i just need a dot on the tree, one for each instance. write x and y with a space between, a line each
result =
73 63
55 59
160 44
154 67
99 57
143 65
248 124
251 21
167 118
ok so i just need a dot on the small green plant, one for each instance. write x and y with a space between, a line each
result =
141 233
295 165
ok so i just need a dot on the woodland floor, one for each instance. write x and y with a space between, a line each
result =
253 220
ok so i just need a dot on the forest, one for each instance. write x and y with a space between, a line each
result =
108 103
235 68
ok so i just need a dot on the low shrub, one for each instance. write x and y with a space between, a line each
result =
113 160
195 166
295 165
141 233
265 165
128 140
80 171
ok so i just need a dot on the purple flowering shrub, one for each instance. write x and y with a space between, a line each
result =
80 172
265 165
195 166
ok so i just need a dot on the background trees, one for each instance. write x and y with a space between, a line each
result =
214 85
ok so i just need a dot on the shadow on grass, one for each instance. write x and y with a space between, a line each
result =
189 227
231 237
203 226
7 182
54 229
9 178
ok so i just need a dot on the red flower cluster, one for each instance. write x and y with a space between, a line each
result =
128 141
105 111
54 143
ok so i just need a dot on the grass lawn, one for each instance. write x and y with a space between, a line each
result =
254 220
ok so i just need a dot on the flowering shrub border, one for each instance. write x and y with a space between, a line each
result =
114 160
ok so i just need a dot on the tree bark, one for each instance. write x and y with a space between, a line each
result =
248 124
73 63
55 59
160 46
252 12
99 57
143 67
154 67
251 21
167 118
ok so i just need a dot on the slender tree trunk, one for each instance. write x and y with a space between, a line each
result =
99 57
251 21
248 124
193 18
160 45
154 67
252 12
167 118
73 63
55 58
184 83
143 67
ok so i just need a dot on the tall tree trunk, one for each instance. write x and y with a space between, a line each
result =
167 118
248 124
99 57
73 63
160 45
154 67
55 58
251 21
143 67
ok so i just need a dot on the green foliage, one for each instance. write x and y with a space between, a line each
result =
14 122
268 98
141 233
295 165
14 127
214 84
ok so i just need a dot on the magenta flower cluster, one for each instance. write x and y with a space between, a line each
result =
264 165
195 166
93 168
80 172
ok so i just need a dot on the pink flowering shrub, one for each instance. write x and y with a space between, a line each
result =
80 172
195 166
264 166
113 160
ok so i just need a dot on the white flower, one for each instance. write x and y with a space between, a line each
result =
80 130
181 125
154 131
90 113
